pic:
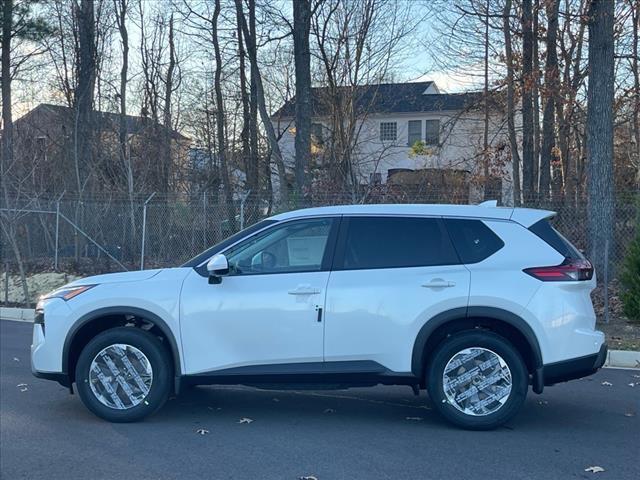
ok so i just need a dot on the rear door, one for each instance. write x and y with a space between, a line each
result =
391 274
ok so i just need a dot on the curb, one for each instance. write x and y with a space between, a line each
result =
17 314
622 359
615 358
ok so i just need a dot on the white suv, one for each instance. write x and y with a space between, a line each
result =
473 303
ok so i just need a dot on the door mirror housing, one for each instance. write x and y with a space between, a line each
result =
217 267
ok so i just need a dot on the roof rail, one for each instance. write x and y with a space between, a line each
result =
489 203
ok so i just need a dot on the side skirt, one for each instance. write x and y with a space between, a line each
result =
313 375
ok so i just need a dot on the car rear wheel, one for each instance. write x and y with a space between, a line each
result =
124 374
477 380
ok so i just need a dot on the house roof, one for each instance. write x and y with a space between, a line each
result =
105 120
385 98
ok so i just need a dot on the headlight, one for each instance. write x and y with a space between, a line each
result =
67 293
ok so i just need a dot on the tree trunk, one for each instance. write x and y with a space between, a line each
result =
8 222
527 101
635 23
167 114
513 139
85 89
264 115
600 128
121 20
220 121
485 136
302 59
535 93
550 92
253 118
7 119
250 161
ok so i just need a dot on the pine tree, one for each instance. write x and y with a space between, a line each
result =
630 279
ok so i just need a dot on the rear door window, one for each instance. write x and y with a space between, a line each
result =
394 242
473 240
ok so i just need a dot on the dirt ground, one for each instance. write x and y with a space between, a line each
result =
38 283
622 333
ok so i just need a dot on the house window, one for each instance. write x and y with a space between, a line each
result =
414 132
432 132
388 131
375 178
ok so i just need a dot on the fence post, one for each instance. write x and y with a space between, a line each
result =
55 261
242 202
204 217
144 229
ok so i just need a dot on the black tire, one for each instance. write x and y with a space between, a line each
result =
489 341
158 358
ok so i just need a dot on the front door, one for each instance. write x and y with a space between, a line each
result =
266 310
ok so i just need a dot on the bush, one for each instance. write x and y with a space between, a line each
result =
630 279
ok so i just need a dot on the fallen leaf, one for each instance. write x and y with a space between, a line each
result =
329 410
16 359
632 384
202 431
415 419
607 384
245 420
594 469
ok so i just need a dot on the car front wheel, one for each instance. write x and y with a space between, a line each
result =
124 374
477 380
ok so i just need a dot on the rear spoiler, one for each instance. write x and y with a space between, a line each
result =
528 216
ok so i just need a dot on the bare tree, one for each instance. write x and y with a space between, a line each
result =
600 127
121 7
220 118
528 78
250 41
302 56
513 139
551 86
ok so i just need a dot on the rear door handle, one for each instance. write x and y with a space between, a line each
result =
439 283
304 290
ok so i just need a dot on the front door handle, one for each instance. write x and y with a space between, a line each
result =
439 283
304 290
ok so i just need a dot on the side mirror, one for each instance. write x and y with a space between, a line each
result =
217 267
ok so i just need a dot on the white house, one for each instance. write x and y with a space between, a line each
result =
392 117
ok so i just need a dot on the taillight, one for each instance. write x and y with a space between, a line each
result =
571 270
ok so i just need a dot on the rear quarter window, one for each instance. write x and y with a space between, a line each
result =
472 239
552 237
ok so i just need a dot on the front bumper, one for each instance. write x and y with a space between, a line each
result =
566 370
62 378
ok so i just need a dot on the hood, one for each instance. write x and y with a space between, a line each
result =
134 276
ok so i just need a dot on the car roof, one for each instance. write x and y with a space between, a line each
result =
524 216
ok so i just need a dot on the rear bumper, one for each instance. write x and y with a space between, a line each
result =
566 370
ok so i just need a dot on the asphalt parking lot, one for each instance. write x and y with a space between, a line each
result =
375 433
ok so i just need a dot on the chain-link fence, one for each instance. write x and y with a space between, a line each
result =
97 235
